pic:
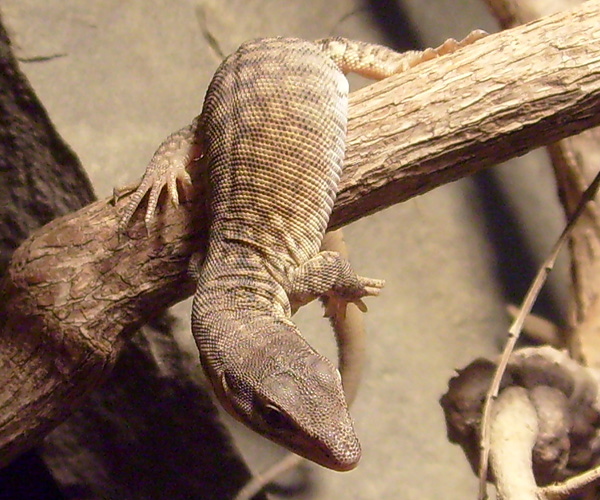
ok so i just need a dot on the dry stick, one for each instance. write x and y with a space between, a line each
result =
515 330
263 479
562 491
538 329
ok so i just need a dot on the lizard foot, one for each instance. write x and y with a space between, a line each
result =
367 287
167 168
370 286
328 273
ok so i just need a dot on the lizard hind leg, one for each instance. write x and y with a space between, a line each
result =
167 168
378 62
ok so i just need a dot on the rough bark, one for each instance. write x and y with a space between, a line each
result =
40 179
133 425
83 291
576 161
497 99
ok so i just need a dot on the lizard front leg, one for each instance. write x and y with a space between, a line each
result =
328 273
168 167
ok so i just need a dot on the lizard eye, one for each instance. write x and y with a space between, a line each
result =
275 418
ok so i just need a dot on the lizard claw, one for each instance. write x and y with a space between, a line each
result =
336 307
335 303
362 307
161 177
154 185
185 183
371 287
167 168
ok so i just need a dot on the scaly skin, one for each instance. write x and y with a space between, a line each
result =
273 130
274 174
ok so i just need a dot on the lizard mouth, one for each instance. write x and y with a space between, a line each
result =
342 458
336 453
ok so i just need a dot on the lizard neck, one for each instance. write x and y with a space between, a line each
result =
236 283
261 369
240 272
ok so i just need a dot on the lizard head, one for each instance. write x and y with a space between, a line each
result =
274 382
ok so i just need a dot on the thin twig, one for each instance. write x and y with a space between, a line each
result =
260 481
516 327
562 491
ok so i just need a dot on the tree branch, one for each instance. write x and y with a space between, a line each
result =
73 291
497 99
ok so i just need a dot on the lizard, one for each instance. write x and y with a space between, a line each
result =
272 132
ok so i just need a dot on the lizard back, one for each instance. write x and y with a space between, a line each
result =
274 127
272 132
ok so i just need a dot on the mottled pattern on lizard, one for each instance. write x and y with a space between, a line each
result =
272 130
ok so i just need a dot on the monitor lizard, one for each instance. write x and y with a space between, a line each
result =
272 131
